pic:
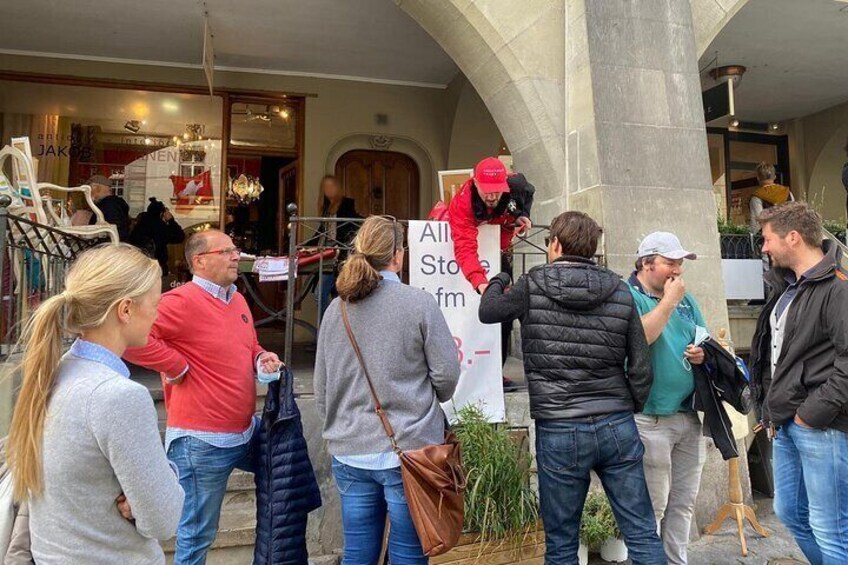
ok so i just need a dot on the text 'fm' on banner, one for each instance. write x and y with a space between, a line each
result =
432 267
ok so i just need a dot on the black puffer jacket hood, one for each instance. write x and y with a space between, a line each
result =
577 288
579 329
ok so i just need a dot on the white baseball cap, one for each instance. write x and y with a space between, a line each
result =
664 244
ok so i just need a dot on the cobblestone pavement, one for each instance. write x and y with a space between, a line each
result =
723 548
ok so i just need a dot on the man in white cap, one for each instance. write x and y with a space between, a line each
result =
668 425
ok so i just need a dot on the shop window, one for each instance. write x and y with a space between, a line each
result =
147 144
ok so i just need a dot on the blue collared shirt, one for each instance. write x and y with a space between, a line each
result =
791 290
223 294
219 439
386 459
91 351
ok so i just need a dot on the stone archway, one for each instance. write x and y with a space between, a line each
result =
515 56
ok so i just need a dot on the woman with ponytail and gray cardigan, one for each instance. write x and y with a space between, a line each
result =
413 363
84 447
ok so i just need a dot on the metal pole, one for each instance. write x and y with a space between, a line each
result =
292 280
5 201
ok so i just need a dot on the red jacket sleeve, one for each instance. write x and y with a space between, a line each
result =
158 354
464 234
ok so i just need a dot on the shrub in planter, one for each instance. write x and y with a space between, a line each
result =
598 522
499 502
599 530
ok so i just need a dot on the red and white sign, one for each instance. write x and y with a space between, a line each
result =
432 267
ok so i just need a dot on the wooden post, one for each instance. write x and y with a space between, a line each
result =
735 509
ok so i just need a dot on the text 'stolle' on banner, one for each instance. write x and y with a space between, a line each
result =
432 267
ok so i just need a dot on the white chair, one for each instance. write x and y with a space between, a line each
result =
98 229
28 201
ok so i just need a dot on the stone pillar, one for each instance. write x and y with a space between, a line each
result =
636 150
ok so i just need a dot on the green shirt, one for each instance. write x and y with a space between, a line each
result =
674 382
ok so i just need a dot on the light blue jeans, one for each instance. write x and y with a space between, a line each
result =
811 490
204 470
367 496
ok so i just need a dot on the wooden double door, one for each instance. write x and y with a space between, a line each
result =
381 182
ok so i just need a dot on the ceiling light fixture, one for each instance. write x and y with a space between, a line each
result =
728 73
734 123
774 126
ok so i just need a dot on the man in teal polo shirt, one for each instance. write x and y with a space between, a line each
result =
668 425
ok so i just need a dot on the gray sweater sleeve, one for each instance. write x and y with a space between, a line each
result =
124 424
440 351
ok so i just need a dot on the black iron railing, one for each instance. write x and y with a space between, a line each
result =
33 264
741 246
527 251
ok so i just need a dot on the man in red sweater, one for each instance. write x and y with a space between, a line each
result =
489 197
205 347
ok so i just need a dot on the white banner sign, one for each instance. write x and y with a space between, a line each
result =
432 267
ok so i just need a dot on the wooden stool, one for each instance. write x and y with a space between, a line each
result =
736 508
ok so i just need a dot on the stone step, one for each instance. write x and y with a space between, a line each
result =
231 547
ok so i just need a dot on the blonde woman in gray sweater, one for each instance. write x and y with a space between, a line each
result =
412 360
84 446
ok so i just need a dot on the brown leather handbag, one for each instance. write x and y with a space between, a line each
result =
433 480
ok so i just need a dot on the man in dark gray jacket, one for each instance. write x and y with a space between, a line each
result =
799 371
588 369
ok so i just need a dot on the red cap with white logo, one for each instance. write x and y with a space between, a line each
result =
490 176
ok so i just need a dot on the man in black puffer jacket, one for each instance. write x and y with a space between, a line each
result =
588 369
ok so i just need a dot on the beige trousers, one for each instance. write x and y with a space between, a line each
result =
674 457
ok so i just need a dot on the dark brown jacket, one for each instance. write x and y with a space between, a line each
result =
811 376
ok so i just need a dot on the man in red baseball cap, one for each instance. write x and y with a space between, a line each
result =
491 196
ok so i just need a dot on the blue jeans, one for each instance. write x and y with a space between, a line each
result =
566 450
367 496
328 290
811 490
204 471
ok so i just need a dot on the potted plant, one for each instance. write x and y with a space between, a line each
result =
599 530
501 507
836 228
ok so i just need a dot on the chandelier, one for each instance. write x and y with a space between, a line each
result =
245 189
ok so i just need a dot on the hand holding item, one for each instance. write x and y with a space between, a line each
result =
523 223
167 216
695 355
270 362
482 288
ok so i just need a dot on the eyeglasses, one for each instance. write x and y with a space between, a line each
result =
225 251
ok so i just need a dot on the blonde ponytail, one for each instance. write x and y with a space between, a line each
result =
376 243
98 280
23 448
